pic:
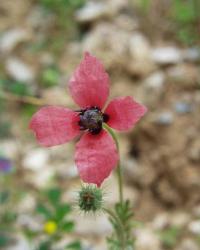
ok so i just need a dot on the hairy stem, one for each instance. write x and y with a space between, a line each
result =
121 233
119 172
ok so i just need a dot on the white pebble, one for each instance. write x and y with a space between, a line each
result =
19 70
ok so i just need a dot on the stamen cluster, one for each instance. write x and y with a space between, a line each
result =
91 119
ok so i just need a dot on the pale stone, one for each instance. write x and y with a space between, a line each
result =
42 178
180 219
20 244
187 244
126 22
186 74
194 227
153 88
166 55
11 38
196 211
27 203
91 11
165 118
183 107
28 221
101 41
93 225
19 70
160 221
155 81
9 148
140 62
69 172
147 240
191 54
139 46
36 159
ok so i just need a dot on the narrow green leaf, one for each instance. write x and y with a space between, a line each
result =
68 226
61 211
54 195
43 210
76 245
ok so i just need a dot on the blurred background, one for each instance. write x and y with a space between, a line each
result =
150 49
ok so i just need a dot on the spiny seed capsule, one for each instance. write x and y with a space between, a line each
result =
90 198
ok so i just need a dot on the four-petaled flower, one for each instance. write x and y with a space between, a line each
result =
96 153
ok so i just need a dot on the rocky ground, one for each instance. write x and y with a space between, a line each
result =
160 157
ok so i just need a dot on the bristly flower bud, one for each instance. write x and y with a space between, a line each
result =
90 198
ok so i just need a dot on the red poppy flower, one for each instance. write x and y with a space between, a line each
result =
96 153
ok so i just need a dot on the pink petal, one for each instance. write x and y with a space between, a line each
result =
96 156
124 112
89 86
55 125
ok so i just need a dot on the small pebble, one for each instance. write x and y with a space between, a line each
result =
183 107
165 118
194 227
166 55
90 12
155 81
36 159
191 54
19 70
11 38
188 244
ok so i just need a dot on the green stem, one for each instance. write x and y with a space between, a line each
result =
112 214
196 6
121 233
119 172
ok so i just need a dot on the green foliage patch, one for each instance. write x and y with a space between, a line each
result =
169 236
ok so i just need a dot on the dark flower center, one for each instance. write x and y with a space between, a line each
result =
91 119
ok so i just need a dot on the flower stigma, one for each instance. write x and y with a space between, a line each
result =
92 119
